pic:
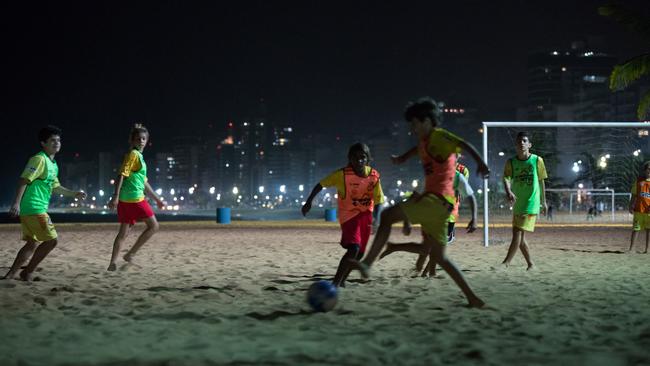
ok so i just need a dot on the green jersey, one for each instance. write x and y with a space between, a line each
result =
42 174
133 183
525 175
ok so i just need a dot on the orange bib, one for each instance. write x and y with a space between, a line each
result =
438 175
642 204
359 194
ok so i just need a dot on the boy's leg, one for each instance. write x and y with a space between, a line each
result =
152 228
21 258
438 252
39 254
389 216
525 250
635 234
117 244
514 244
343 271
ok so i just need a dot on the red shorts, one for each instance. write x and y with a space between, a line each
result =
130 212
357 230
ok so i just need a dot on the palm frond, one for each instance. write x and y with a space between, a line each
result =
627 17
626 73
644 107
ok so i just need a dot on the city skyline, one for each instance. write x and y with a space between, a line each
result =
332 69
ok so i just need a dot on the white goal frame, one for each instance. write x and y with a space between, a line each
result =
488 124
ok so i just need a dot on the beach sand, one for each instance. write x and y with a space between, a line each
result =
205 294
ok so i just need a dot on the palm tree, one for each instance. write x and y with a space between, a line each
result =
633 69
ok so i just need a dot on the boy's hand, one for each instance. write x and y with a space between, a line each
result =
511 197
80 195
14 210
483 170
305 208
406 229
471 227
160 203
544 208
112 204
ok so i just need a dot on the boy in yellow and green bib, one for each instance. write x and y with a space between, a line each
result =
37 182
129 197
523 179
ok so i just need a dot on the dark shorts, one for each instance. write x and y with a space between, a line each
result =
131 212
357 230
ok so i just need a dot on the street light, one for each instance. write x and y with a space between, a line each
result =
414 184
235 190
283 188
260 189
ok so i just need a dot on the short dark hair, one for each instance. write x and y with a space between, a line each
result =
359 146
523 134
423 108
48 131
137 129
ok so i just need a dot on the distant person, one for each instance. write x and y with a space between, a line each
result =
523 178
359 194
640 206
549 213
129 197
461 189
591 213
35 186
437 149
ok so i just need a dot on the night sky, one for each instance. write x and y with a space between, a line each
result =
95 68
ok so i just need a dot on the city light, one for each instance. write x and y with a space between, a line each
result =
101 193
260 189
212 189
501 153
159 191
301 188
283 188
576 167
190 190
235 190
172 191
581 186
414 184
399 183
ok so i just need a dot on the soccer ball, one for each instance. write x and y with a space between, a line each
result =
322 296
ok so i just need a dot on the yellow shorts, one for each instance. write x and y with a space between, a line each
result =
37 227
525 222
641 221
431 213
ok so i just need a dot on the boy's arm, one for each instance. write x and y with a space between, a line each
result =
506 184
150 192
70 193
399 159
471 227
482 169
116 195
542 196
307 206
14 210
632 204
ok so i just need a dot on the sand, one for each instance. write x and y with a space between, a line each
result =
235 295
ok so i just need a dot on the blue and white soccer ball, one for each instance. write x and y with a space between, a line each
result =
322 296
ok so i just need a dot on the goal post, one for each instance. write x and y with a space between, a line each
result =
497 124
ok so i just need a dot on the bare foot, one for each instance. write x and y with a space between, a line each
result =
361 267
530 266
476 303
112 267
26 276
9 276
390 247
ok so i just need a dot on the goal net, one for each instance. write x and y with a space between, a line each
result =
591 167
